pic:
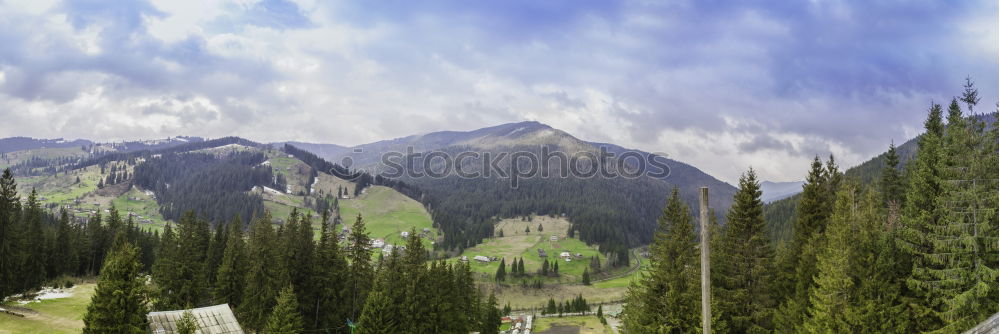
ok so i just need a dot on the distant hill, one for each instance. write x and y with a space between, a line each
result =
13 144
773 191
781 213
614 212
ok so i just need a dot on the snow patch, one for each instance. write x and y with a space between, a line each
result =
516 131
49 293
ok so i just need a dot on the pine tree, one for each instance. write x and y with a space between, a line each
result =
491 316
285 318
188 324
330 274
962 270
361 272
377 317
798 258
501 273
744 293
666 299
119 301
229 280
920 215
33 267
8 210
891 182
586 276
263 275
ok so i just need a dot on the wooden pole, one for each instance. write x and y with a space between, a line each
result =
706 297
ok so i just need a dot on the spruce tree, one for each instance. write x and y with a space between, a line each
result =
920 216
891 182
187 324
377 317
491 316
285 318
586 276
666 298
744 293
330 271
361 273
501 273
8 217
119 301
798 258
962 268
229 280
263 275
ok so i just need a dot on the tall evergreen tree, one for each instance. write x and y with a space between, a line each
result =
230 278
919 218
285 318
962 267
119 301
797 265
330 309
891 182
263 275
744 293
490 323
360 273
666 298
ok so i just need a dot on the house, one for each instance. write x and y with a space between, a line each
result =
541 253
210 319
481 258
405 234
553 238
566 256
465 258
378 243
427 230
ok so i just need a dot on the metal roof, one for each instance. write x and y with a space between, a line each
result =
218 319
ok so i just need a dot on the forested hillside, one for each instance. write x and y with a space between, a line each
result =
616 213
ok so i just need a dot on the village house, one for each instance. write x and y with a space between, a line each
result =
481 258
541 253
565 256
210 319
378 243
553 238
405 234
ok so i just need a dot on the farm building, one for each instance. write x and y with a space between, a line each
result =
481 258
566 256
553 238
541 253
378 243
405 234
216 319
465 258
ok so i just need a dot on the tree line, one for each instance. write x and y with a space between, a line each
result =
281 280
40 248
914 250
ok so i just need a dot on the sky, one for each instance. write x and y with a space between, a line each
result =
722 85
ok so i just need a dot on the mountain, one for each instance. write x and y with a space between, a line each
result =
613 212
773 191
13 144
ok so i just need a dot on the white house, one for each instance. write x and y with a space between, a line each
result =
378 243
481 258
405 234
553 238
566 256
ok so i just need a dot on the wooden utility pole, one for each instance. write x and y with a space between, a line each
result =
706 297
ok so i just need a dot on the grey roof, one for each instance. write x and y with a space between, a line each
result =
216 319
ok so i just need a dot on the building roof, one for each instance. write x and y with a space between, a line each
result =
218 319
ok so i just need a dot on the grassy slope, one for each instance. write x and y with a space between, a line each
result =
62 315
141 204
587 324
12 158
387 213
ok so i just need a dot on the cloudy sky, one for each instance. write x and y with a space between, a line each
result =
719 84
